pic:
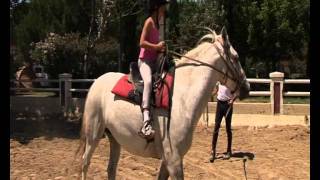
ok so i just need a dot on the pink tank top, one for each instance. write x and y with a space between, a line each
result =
148 54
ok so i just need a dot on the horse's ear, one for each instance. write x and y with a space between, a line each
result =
224 33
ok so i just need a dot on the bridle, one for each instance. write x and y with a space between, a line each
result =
226 75
230 68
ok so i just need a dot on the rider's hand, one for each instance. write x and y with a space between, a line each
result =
161 46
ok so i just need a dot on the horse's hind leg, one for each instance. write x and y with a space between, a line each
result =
114 156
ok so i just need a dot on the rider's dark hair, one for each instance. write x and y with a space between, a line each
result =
153 5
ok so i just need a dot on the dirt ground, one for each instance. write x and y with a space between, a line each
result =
43 148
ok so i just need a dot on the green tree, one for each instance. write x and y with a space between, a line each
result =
278 29
31 21
62 54
262 31
193 16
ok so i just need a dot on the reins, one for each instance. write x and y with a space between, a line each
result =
225 74
201 64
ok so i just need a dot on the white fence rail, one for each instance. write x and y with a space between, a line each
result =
286 81
65 88
297 81
259 81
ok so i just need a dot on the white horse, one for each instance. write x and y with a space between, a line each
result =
195 77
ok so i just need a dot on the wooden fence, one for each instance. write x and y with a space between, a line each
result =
276 92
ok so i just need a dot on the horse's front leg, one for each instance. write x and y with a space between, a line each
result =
175 166
163 172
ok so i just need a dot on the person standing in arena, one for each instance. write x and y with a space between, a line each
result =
224 109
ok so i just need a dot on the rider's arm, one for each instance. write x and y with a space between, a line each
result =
143 39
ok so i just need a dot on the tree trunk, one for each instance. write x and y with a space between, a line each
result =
129 40
89 40
173 19
120 52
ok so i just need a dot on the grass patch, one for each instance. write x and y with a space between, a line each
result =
266 99
296 100
35 94
259 99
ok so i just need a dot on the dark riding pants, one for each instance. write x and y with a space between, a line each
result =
222 108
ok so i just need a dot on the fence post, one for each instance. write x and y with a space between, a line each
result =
276 89
65 94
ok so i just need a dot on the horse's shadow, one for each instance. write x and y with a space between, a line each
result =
238 155
26 127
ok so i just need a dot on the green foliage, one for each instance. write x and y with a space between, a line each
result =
59 54
31 21
193 16
64 54
262 31
278 29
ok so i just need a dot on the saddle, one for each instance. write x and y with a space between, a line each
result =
130 86
158 77
135 77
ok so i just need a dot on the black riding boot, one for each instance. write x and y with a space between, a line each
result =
229 134
229 142
214 144
218 119
229 150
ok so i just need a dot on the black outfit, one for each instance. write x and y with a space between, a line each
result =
222 108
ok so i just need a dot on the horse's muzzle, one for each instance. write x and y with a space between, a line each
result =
244 90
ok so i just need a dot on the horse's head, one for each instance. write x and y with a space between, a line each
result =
233 76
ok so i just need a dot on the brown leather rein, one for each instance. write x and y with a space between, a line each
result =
225 74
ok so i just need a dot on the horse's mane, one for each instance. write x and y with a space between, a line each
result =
201 45
212 35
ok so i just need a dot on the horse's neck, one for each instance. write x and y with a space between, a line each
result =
195 85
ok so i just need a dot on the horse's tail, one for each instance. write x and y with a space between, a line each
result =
80 151
85 134
91 129
83 138
85 129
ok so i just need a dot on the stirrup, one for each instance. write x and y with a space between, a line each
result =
146 130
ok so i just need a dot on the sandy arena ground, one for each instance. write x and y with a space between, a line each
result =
43 148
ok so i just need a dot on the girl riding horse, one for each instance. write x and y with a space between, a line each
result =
150 47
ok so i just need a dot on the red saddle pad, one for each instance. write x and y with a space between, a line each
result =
162 94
